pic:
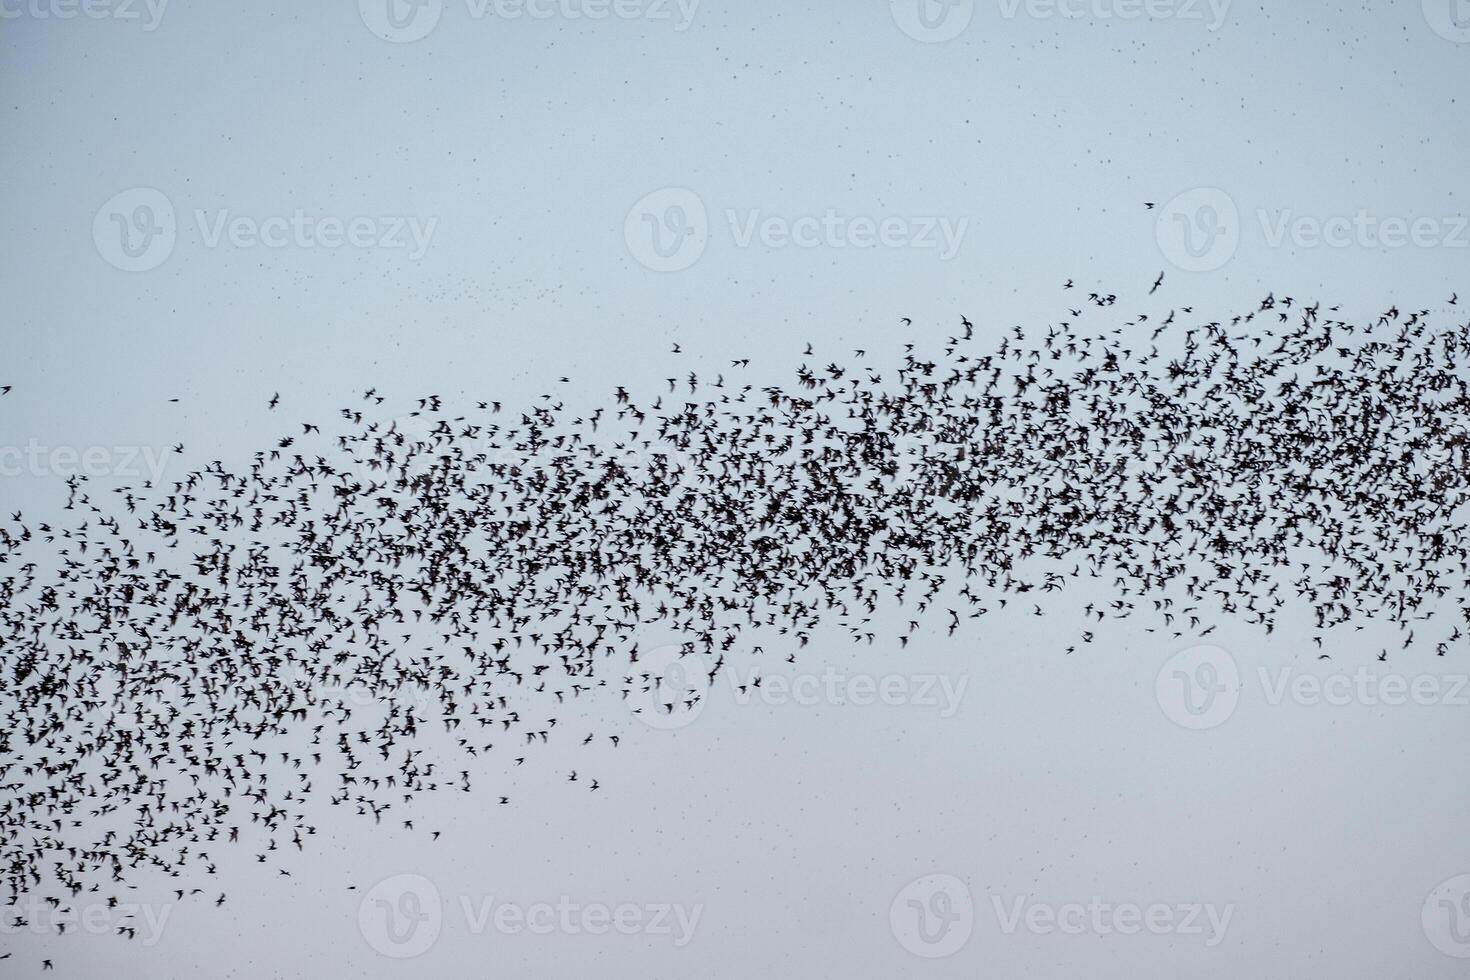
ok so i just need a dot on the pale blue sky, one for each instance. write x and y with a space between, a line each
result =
510 151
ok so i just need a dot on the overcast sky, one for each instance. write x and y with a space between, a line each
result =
216 202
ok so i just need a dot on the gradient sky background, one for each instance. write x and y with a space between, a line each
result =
532 144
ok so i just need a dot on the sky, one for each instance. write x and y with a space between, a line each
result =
473 198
